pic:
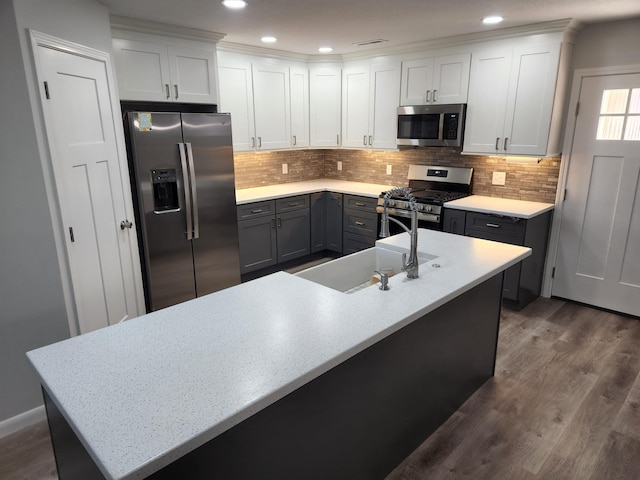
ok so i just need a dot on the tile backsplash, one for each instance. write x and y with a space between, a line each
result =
537 182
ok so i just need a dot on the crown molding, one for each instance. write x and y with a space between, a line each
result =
163 29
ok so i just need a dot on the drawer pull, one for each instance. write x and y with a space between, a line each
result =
257 210
294 204
360 204
493 225
360 224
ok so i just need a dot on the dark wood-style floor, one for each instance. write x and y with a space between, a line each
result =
564 404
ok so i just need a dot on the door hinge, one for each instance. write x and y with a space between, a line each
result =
553 272
71 235
577 108
46 90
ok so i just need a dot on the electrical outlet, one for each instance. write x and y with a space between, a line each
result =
285 168
339 165
389 169
499 178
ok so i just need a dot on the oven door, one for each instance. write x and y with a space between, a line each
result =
425 220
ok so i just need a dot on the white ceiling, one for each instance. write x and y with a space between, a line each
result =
302 26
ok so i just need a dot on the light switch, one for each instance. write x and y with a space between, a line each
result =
499 178
285 168
389 169
339 165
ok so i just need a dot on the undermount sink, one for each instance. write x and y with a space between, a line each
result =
354 272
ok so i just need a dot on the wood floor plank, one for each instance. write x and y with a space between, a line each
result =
28 455
626 451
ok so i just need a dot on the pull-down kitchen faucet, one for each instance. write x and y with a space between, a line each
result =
411 266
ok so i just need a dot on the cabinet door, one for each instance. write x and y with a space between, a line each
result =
193 74
325 106
333 226
294 234
417 78
318 210
383 105
257 242
530 100
451 78
453 221
142 70
487 105
355 106
299 84
271 106
236 98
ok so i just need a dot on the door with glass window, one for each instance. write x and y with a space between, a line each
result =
598 259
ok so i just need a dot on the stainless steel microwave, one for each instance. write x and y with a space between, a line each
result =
431 125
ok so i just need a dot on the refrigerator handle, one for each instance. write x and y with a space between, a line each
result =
194 192
187 190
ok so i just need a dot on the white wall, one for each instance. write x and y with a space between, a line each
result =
32 306
608 44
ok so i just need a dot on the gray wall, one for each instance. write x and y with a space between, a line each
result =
608 44
32 307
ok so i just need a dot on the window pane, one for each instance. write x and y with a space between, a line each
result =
610 128
632 132
634 106
614 101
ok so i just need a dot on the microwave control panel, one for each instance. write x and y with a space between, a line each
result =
450 126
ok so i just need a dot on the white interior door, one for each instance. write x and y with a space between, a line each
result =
89 182
598 258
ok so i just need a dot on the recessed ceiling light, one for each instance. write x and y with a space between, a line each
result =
269 39
325 49
492 20
235 4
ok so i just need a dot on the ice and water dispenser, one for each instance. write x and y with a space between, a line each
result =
165 190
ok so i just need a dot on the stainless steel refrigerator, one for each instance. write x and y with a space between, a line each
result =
184 193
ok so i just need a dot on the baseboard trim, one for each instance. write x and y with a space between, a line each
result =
23 420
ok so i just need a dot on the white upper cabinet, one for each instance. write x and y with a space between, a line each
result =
271 99
369 104
236 98
299 87
436 80
325 97
512 95
166 72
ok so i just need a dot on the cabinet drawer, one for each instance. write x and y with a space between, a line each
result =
496 225
360 203
292 203
354 243
361 223
257 209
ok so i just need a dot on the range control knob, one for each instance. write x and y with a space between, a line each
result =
391 203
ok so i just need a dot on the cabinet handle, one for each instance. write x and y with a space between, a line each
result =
364 140
428 96
370 139
166 88
497 140
253 142
434 95
493 225
175 86
505 144
340 201
337 139
257 210
360 204
259 142
294 204
294 141
360 224
279 222
273 223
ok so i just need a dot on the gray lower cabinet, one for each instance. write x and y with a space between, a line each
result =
523 281
360 223
326 221
273 232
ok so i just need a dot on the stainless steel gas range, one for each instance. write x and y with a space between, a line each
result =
431 186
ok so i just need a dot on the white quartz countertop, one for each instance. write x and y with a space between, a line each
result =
142 393
270 192
500 206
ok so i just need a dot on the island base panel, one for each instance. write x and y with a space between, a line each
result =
357 421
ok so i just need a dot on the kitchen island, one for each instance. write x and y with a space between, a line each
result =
280 377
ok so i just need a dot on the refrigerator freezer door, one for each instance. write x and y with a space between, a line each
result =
215 252
168 258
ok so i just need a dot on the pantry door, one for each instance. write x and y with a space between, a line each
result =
598 260
101 245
